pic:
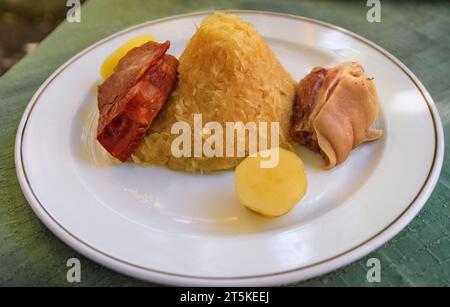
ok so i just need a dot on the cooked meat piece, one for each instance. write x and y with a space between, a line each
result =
304 104
334 110
128 72
130 99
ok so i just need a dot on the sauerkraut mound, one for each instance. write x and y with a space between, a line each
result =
227 73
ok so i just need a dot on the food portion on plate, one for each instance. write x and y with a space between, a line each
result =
130 98
113 59
334 111
228 75
271 191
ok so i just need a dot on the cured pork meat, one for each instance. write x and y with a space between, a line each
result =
334 111
130 99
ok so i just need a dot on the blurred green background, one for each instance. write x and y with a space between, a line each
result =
24 23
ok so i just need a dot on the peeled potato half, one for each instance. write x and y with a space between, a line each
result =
271 191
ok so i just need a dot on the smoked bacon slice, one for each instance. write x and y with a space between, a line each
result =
130 99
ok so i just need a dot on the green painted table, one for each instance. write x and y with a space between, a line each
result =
417 33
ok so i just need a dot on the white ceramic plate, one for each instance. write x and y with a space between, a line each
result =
177 228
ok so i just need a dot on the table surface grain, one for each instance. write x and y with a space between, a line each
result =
415 32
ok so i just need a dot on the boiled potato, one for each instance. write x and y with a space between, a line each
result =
113 59
271 191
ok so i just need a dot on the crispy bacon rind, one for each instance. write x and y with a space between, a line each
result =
131 98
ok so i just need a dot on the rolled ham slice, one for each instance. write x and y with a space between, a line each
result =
130 99
334 111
